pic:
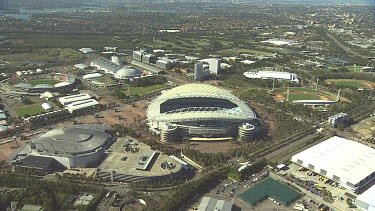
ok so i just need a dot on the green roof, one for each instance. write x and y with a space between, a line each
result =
270 188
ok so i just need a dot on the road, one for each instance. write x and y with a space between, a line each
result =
345 48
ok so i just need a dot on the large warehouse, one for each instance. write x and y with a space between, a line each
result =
200 112
344 161
73 146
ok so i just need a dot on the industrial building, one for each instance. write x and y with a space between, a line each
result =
82 104
349 163
212 204
107 66
137 55
366 201
164 64
277 75
73 146
73 98
200 111
149 58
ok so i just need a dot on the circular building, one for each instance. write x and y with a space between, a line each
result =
73 146
198 112
127 72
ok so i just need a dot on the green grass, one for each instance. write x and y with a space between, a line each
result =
44 81
350 83
308 94
147 89
354 69
30 110
236 51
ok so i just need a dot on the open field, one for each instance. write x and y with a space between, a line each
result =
146 89
30 110
236 51
44 81
43 56
300 93
354 69
351 83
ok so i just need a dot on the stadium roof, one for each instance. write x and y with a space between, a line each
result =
344 159
212 204
37 162
127 72
242 113
368 198
71 141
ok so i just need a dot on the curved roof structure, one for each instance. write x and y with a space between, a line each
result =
127 72
201 102
71 141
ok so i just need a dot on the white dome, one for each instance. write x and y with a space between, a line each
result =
127 72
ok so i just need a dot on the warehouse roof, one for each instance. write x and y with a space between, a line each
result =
81 104
350 161
73 98
368 198
212 204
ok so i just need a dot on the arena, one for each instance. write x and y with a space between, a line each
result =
47 83
200 112
72 146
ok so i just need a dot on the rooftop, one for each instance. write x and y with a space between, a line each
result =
349 160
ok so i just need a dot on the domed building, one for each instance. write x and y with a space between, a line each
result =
200 112
127 72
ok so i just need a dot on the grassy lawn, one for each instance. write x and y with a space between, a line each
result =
31 110
146 89
44 56
301 93
237 51
44 81
351 83
354 69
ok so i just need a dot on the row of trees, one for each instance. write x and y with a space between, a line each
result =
51 195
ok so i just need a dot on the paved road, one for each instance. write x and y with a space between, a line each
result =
345 48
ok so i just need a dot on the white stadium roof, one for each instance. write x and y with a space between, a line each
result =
339 159
240 113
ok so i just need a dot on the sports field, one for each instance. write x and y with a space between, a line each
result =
30 110
270 188
44 81
300 93
351 83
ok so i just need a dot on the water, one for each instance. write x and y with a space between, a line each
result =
26 13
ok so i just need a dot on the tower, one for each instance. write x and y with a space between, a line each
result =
198 71
214 66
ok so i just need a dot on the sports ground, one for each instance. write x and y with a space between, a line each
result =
43 81
270 188
301 93
351 83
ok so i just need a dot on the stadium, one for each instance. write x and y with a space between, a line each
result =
72 146
304 96
47 83
200 112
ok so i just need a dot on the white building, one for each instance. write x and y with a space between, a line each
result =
73 98
92 75
337 118
117 60
272 75
344 161
47 106
86 50
81 105
214 66
366 201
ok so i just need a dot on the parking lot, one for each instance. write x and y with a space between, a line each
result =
315 185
